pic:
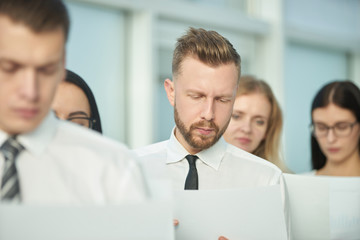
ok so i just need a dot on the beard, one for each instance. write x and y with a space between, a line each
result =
196 141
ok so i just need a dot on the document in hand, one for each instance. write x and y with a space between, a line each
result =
324 207
254 213
309 207
151 219
344 203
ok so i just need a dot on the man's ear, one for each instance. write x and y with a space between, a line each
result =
64 67
64 73
170 91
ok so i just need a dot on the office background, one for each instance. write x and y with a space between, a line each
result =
123 49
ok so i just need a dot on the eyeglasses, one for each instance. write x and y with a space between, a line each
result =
83 121
341 129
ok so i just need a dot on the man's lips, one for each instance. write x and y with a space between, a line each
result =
205 131
26 112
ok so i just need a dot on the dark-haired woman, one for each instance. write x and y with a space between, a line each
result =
335 140
74 101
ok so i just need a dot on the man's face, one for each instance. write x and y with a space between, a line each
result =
31 67
203 98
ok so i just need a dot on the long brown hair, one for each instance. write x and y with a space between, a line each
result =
269 148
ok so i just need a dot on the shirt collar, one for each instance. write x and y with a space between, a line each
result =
175 151
36 141
3 137
211 156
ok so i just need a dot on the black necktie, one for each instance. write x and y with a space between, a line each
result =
10 189
192 180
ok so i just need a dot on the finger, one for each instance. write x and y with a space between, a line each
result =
176 222
222 238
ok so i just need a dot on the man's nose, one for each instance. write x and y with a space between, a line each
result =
29 88
208 111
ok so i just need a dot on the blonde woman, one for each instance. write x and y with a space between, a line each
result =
256 121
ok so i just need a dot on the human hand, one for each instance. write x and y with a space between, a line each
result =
222 238
176 223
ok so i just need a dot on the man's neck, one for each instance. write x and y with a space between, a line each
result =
185 144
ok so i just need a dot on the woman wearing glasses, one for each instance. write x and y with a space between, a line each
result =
75 102
335 140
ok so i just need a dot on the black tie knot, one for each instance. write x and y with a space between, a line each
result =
192 159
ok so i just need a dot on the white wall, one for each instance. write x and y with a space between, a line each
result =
323 44
96 52
339 17
307 70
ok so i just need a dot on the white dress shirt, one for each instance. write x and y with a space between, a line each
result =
66 163
222 166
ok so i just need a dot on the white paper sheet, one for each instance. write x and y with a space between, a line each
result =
324 207
309 206
255 213
344 207
151 220
137 221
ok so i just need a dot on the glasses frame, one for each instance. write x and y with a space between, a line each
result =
91 120
351 125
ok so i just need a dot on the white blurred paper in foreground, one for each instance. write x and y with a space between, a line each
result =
324 207
150 220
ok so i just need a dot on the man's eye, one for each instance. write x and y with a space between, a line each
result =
9 67
224 100
47 70
195 96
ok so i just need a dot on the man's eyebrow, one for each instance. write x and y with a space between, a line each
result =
200 92
49 64
194 91
11 61
78 113
7 60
